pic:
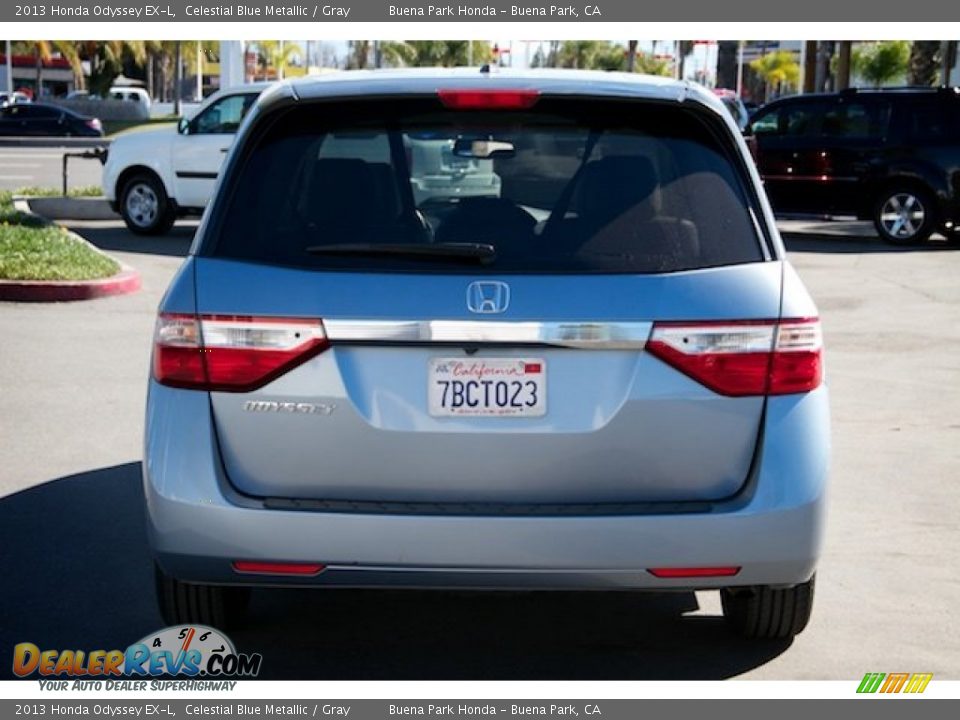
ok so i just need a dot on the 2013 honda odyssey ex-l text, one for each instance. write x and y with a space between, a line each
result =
569 354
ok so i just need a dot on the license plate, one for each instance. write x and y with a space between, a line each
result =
487 387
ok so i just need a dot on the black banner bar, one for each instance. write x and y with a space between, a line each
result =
557 709
260 11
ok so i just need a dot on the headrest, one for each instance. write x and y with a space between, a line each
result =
612 185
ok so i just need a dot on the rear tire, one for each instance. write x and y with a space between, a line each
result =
145 207
765 613
905 215
214 605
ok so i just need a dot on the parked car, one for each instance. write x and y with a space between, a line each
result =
154 176
13 98
890 156
734 105
31 119
439 176
612 384
130 94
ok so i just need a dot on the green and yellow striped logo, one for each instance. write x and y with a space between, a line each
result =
894 682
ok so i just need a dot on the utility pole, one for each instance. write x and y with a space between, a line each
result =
809 66
199 70
740 68
9 68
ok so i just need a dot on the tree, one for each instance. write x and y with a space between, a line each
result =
359 56
778 70
539 59
881 62
274 56
435 53
727 52
684 48
648 64
43 51
844 59
106 58
631 55
580 54
923 63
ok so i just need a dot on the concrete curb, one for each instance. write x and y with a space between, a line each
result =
70 208
124 282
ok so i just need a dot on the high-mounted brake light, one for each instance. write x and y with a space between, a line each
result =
231 353
743 358
488 99
277 568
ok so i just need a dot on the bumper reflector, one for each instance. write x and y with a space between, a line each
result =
278 568
693 572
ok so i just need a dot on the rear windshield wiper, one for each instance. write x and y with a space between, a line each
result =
482 253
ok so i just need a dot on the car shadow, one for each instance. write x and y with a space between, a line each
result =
77 575
848 244
113 236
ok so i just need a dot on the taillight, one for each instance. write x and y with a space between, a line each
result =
94 124
744 357
489 99
232 353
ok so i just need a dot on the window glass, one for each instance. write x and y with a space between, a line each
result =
929 120
224 116
572 186
857 120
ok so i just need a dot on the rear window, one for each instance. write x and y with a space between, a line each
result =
567 187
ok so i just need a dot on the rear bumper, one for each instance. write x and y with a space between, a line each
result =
772 529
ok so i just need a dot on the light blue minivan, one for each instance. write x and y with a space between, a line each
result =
598 373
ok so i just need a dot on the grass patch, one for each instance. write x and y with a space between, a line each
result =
111 128
32 250
84 191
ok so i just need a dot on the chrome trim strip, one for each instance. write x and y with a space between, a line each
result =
575 334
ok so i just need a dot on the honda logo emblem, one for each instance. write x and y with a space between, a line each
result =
488 297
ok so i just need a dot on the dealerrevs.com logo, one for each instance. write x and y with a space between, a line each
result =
892 683
192 651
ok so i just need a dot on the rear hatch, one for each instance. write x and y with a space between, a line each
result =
491 349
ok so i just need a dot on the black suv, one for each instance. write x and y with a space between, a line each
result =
890 155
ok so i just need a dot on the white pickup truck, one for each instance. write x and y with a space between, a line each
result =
155 176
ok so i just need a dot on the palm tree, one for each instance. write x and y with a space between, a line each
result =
631 55
106 58
778 70
276 55
844 64
579 54
43 51
881 62
923 63
649 64
727 51
435 53
359 54
684 48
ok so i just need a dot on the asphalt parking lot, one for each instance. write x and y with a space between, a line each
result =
76 573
